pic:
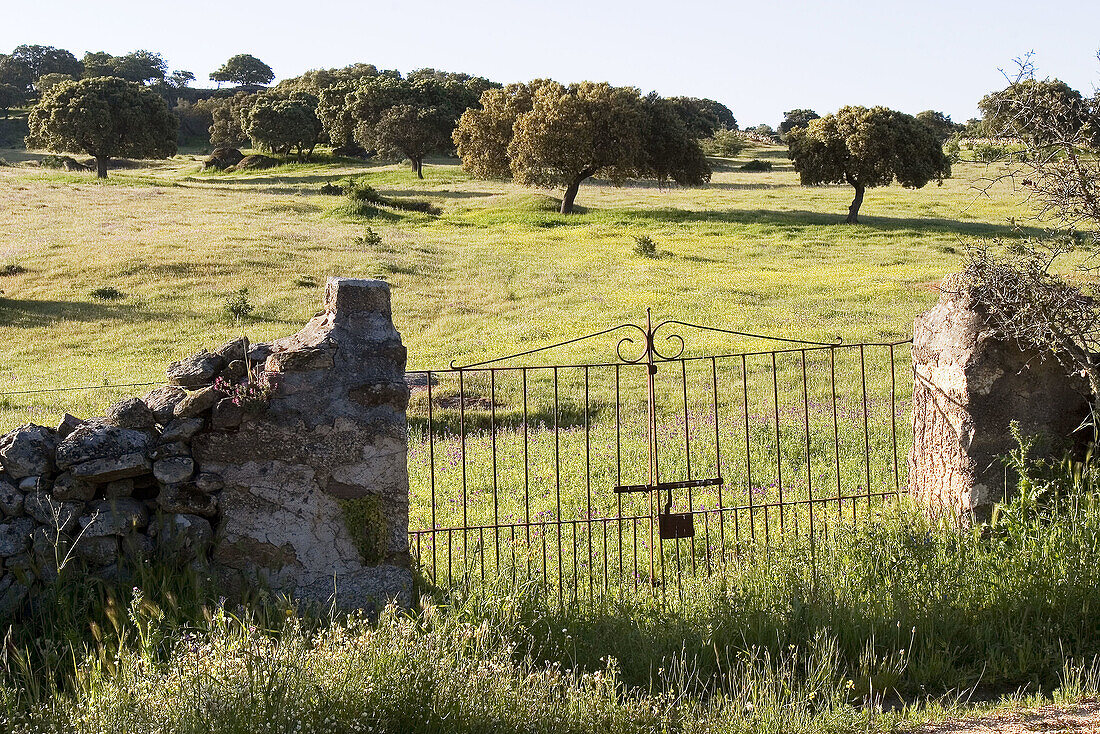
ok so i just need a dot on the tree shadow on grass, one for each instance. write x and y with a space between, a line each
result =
22 313
798 218
438 194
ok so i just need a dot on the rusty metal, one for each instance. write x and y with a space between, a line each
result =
552 465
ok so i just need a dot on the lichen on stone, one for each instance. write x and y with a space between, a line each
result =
366 524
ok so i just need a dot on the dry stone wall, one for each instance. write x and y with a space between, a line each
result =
280 464
968 387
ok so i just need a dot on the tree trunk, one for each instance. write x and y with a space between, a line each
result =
571 190
853 210
101 166
418 164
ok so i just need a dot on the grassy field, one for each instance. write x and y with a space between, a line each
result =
876 628
497 271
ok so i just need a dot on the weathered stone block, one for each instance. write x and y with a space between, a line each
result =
174 470
196 371
107 470
11 499
968 387
186 499
15 536
227 414
28 450
114 517
198 402
163 400
94 441
68 487
181 429
131 413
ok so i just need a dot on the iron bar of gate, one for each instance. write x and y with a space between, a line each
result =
625 523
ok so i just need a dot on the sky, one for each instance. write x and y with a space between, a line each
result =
758 58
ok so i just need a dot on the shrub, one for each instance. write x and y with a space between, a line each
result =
411 205
238 306
12 268
988 153
727 143
369 238
331 189
107 293
757 165
645 246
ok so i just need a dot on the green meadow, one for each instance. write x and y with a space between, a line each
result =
497 271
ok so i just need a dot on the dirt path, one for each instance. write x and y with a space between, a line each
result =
1082 718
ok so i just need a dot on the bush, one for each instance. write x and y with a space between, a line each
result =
12 268
369 238
988 153
727 143
411 205
331 189
645 246
107 293
238 306
756 165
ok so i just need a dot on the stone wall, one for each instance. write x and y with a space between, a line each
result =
968 387
281 465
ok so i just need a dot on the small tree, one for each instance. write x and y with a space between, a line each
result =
106 117
9 97
283 124
561 136
244 70
867 147
226 115
409 131
1022 289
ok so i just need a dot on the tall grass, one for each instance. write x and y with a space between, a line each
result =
892 622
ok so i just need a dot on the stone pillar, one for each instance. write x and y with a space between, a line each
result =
316 491
968 387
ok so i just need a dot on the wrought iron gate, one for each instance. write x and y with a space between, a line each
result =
645 471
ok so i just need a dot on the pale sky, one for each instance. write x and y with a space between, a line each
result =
758 58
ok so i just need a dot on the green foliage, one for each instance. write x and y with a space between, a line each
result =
48 81
988 152
482 135
226 114
28 63
369 238
244 70
10 96
796 120
703 117
756 166
1037 111
105 117
107 293
366 523
939 123
645 246
141 67
867 147
408 118
366 200
282 124
551 135
724 143
238 306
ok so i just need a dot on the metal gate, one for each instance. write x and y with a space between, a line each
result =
654 468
